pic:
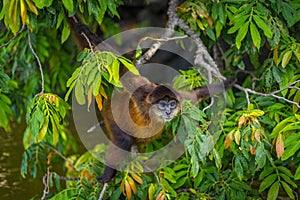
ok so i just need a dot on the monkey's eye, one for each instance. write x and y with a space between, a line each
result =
162 105
172 103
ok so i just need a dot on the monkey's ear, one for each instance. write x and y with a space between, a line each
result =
161 92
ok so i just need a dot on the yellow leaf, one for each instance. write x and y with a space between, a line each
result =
286 58
10 9
137 178
257 113
128 190
43 130
279 146
99 101
32 7
15 12
102 92
23 11
160 196
132 184
237 136
89 97
256 135
228 139
242 121
275 54
252 150
151 191
122 186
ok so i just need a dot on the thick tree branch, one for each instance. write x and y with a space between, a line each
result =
168 33
202 57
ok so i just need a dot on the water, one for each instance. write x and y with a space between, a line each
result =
12 185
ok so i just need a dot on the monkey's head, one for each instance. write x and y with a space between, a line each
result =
165 104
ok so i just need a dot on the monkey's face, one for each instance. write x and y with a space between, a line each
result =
166 108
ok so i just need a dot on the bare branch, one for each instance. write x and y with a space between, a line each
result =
13 38
46 182
210 105
103 191
38 60
168 33
88 41
272 94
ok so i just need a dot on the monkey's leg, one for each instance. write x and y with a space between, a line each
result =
117 151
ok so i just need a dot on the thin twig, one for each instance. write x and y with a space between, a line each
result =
210 105
46 181
38 60
60 154
103 191
94 127
162 39
14 37
87 39
272 94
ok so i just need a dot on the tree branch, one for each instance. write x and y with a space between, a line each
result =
168 33
272 94
38 60
13 38
103 191
202 57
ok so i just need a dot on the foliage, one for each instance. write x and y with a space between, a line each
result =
256 154
98 70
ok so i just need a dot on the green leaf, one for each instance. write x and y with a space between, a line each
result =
286 171
180 182
267 182
290 151
241 21
273 192
218 28
65 33
68 5
287 189
129 65
168 187
267 171
297 54
43 131
297 173
241 34
222 13
238 168
287 179
96 85
290 14
198 179
60 18
255 35
115 70
286 58
262 25
210 33
79 93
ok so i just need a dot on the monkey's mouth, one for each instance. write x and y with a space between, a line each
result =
167 119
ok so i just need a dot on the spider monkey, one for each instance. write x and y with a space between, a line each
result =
149 104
